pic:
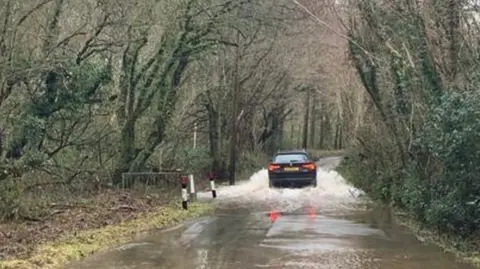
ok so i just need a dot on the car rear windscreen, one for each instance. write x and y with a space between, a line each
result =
287 158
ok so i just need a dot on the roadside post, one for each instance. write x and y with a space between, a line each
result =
212 184
184 193
193 194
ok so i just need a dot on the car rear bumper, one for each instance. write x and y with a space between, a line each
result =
293 180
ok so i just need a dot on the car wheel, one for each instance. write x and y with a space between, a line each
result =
314 183
270 184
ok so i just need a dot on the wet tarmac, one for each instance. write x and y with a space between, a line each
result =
328 227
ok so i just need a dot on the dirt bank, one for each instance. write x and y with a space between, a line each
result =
74 231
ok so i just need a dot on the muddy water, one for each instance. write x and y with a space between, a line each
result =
328 227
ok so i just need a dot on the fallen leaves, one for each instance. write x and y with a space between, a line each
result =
77 230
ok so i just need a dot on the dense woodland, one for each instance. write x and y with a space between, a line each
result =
93 89
418 147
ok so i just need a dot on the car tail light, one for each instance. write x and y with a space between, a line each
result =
272 167
310 166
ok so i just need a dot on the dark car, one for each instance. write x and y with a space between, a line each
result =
292 168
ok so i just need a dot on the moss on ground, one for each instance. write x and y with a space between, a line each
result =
76 246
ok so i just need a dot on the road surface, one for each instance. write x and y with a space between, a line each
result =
327 227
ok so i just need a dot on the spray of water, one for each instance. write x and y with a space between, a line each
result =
332 192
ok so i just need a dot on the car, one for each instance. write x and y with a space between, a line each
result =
292 168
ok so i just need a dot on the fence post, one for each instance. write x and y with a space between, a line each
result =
193 194
184 193
212 185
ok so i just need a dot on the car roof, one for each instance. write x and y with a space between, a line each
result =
291 151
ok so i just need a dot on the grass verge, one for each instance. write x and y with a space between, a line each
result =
79 244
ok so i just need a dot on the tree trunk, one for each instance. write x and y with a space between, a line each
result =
321 142
275 138
280 134
233 135
305 120
453 33
313 119
341 136
214 138
327 133
292 134
127 151
338 135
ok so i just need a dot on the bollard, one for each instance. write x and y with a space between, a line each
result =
193 195
212 185
184 193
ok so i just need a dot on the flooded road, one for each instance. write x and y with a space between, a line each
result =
328 227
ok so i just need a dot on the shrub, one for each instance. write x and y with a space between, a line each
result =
446 198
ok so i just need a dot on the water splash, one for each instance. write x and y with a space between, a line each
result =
332 191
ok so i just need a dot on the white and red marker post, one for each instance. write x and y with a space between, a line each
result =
184 192
211 176
193 194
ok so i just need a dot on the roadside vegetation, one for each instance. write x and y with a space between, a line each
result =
93 93
68 247
417 147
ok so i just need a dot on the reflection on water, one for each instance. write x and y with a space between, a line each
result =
301 225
